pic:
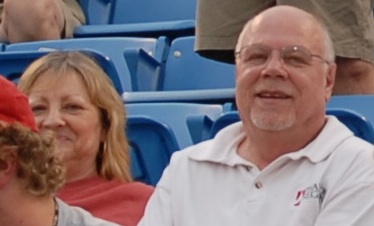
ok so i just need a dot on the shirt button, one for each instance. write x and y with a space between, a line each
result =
258 185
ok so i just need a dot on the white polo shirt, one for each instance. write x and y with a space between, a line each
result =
330 182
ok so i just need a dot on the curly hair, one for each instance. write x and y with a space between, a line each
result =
39 170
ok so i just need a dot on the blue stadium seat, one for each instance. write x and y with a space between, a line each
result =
152 144
186 70
207 96
143 18
189 77
2 46
190 122
352 119
224 120
13 64
98 11
138 61
362 104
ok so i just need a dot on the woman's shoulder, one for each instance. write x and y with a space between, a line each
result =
96 186
138 188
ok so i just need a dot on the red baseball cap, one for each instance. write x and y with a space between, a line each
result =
14 105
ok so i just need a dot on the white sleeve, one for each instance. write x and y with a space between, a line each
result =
159 207
354 206
352 201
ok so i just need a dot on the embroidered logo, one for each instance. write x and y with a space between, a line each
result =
315 191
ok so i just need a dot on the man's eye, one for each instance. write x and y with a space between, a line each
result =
256 58
295 60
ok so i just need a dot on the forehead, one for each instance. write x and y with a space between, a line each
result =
69 81
280 29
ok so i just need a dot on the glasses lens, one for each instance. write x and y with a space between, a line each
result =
254 55
296 56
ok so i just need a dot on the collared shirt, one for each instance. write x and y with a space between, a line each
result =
328 182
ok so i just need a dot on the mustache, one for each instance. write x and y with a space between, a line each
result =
274 87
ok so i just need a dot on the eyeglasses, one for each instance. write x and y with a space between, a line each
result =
295 56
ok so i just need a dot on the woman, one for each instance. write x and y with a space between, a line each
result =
72 97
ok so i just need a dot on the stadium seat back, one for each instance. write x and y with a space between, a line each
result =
152 144
361 104
190 122
355 121
142 18
145 11
98 11
137 60
186 70
13 64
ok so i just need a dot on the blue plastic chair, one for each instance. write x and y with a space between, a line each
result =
143 18
138 61
152 144
207 96
190 122
356 122
98 11
13 64
362 104
186 70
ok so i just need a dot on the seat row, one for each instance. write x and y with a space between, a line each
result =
158 129
140 18
135 64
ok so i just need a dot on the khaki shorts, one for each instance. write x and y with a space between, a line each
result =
73 14
350 23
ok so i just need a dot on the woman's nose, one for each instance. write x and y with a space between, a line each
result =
53 118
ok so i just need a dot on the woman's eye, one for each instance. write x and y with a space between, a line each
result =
38 108
73 107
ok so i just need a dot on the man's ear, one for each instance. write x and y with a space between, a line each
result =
330 81
7 168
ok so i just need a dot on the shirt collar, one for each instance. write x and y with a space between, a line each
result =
223 148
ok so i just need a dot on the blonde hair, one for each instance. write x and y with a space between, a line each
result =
113 161
39 171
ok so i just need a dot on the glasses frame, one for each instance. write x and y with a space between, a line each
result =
238 53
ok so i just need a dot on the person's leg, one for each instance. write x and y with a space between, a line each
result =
218 24
2 32
30 20
74 17
354 76
351 26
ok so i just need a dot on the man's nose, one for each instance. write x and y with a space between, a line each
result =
274 66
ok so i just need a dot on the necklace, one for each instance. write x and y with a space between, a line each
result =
55 218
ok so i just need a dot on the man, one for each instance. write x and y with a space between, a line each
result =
350 23
286 162
30 174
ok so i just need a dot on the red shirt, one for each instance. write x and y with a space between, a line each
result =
122 203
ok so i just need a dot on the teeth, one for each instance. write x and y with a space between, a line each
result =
275 95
